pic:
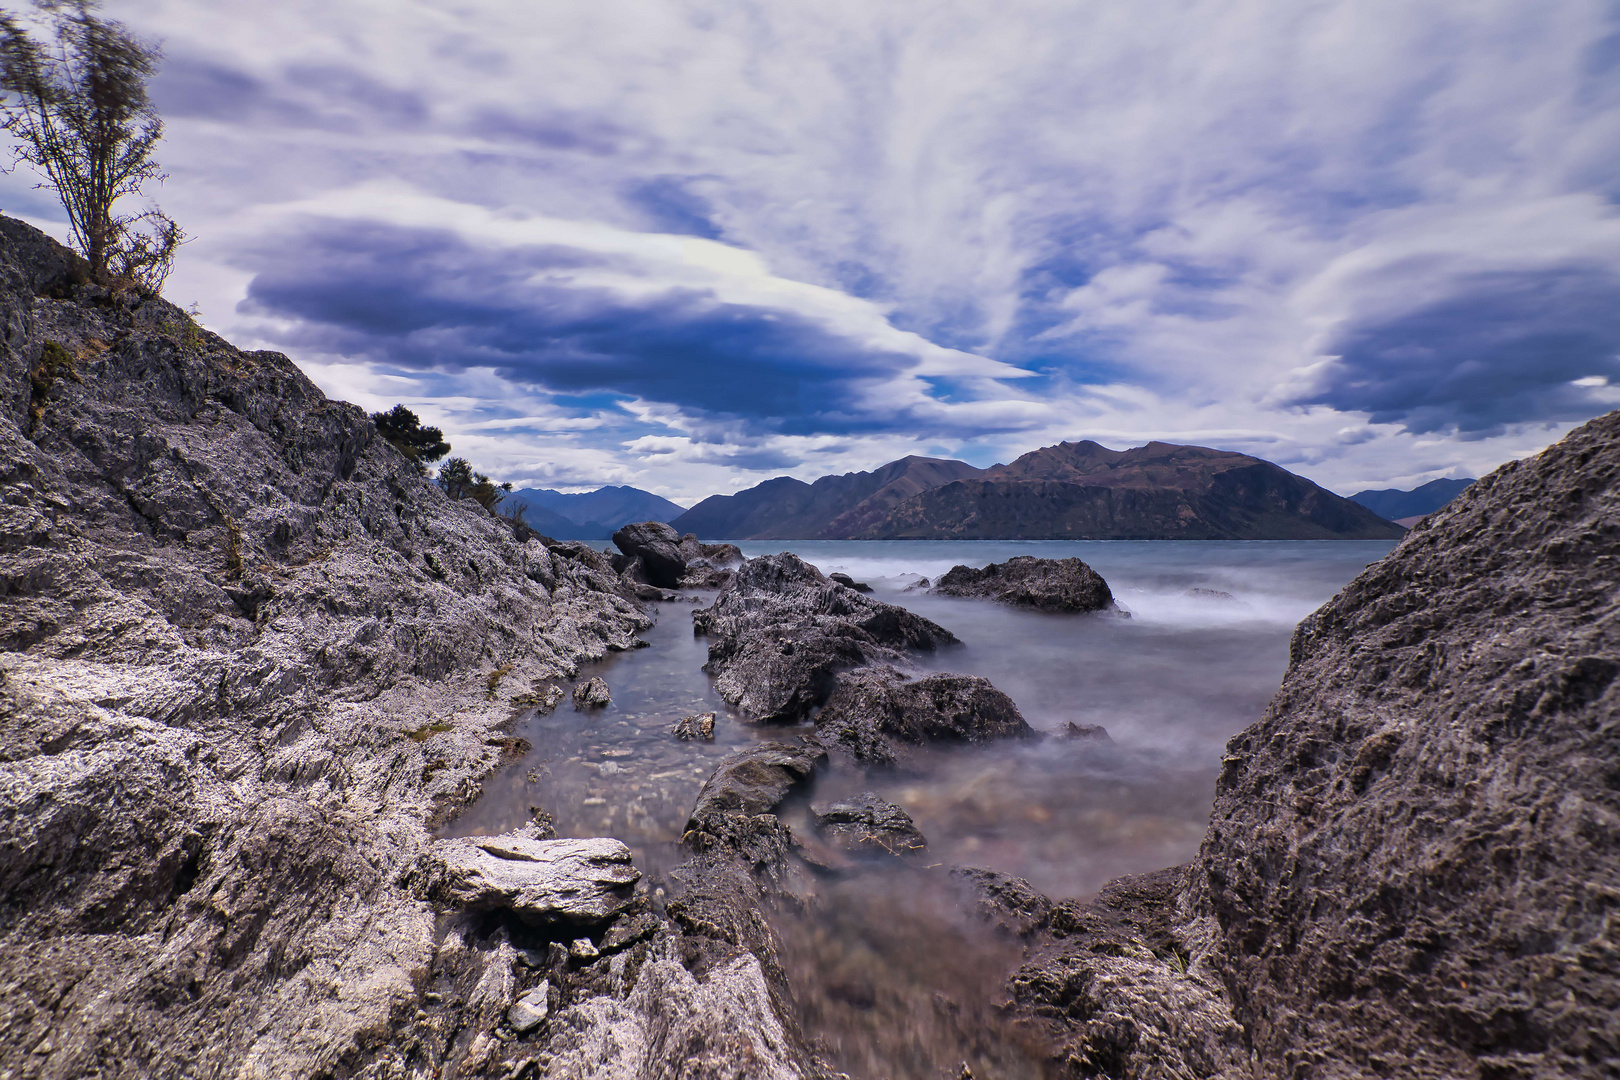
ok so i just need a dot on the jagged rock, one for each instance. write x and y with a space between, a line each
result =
753 782
872 709
658 547
850 583
781 631
866 824
1086 732
592 694
919 584
529 1011
1028 582
246 665
541 881
700 726
1009 902
1211 594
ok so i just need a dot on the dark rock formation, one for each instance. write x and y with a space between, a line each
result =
1010 903
1027 582
866 824
699 726
1410 864
873 709
1211 594
780 632
592 694
250 655
1095 733
850 583
658 547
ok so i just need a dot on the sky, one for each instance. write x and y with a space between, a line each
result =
690 246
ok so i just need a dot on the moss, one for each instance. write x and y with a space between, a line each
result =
427 731
55 363
495 678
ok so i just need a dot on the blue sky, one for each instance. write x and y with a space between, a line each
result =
691 246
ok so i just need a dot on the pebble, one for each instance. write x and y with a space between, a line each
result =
526 1013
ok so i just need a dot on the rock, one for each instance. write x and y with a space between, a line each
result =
1211 594
1028 582
1086 732
850 583
592 694
1009 902
583 949
867 825
658 547
544 882
227 601
700 726
781 631
753 782
873 709
529 1011
919 584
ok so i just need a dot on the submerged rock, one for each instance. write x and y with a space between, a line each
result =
872 710
592 694
781 631
1216 595
1028 582
540 881
698 726
866 824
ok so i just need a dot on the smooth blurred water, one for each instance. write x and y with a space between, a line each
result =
1170 684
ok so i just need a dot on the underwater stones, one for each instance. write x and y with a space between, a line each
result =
1024 581
698 726
541 881
872 709
592 694
781 631
866 824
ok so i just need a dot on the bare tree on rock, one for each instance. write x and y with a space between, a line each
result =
79 111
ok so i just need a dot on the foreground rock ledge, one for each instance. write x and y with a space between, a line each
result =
541 881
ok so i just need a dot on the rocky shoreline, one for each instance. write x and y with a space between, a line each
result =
252 658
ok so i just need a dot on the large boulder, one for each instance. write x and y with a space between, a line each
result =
658 547
543 882
1027 582
871 710
780 632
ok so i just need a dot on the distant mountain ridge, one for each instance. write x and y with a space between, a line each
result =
1396 504
1078 490
590 515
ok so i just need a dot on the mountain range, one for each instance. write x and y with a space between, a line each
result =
1405 507
1078 490
590 515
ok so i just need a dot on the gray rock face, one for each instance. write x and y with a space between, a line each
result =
529 1011
1410 867
872 710
540 881
1028 582
249 658
867 824
698 726
780 632
658 547
592 694
753 782
850 583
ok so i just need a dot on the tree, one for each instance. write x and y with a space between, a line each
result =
80 113
420 444
460 481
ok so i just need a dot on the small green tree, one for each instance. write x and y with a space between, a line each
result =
404 429
80 113
460 481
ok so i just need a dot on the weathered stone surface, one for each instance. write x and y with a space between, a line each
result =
699 726
529 1011
658 547
541 881
1028 582
850 583
780 632
1094 733
753 781
592 694
871 711
1215 595
867 824
1009 902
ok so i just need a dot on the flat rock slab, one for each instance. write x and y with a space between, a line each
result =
1027 582
541 881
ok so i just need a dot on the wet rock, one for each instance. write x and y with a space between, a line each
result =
1211 594
850 583
873 711
753 782
1028 582
529 1011
708 566
658 547
592 694
541 881
1093 733
781 631
919 584
1009 902
866 824
699 726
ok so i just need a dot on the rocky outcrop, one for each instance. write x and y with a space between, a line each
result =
542 882
1027 582
655 554
873 713
250 657
780 632
1409 867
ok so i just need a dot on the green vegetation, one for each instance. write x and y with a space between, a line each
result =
404 430
495 678
55 362
78 111
460 481
427 731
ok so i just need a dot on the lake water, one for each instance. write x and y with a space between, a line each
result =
1170 684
